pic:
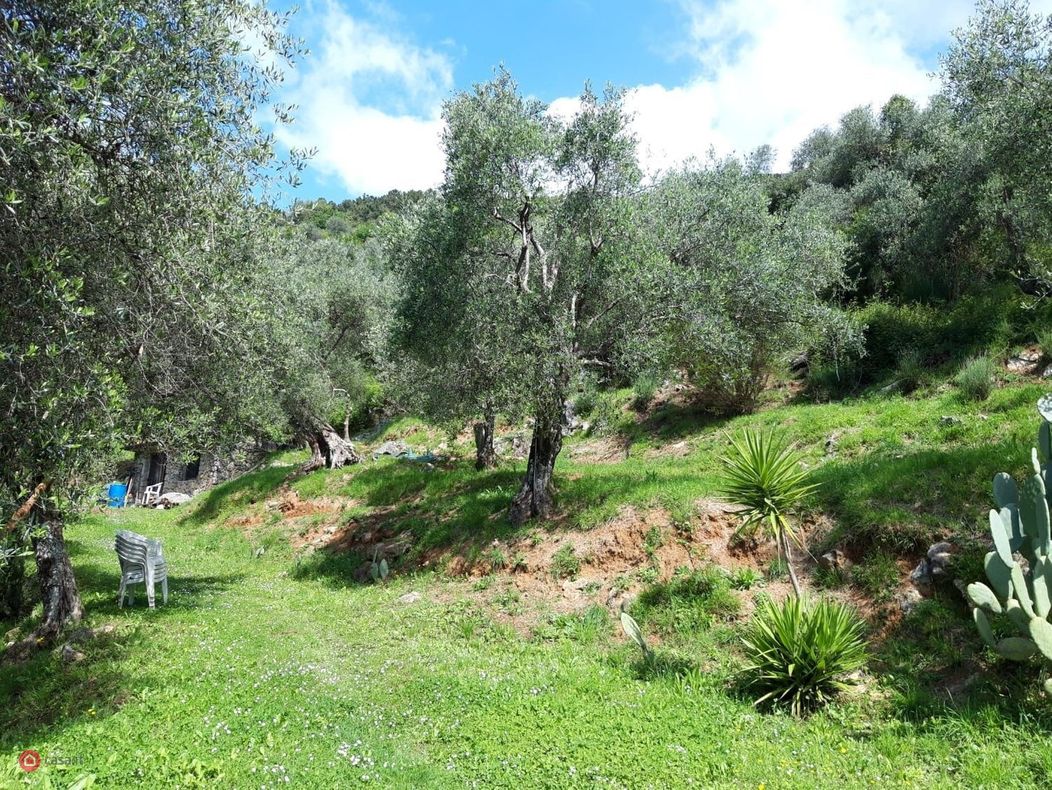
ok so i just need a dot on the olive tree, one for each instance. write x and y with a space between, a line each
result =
329 305
129 156
749 287
448 358
997 77
535 248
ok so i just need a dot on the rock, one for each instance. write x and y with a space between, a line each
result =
835 560
396 547
394 448
907 600
109 628
361 573
940 558
1047 372
69 655
620 601
934 568
948 419
832 441
410 597
173 499
921 577
1024 362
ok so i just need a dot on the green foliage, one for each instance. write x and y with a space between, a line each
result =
498 560
644 387
133 301
975 379
759 281
878 575
764 477
1020 527
635 633
1044 342
565 562
799 653
745 578
911 371
378 570
688 602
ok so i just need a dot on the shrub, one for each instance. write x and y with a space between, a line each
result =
911 370
1020 529
1044 342
975 379
799 652
498 560
643 390
745 578
565 563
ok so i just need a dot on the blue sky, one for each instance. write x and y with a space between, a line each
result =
722 74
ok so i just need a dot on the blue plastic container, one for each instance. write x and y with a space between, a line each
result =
115 494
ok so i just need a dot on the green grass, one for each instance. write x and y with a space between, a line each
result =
248 676
272 666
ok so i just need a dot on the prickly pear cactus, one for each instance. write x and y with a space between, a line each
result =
1019 569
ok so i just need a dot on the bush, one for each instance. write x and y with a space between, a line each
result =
975 379
912 370
565 563
1044 342
643 390
799 653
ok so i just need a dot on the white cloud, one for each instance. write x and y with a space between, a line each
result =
773 70
370 103
768 72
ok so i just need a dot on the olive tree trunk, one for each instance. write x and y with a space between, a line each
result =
330 450
58 587
485 454
536 494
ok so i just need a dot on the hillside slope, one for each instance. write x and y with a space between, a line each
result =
491 658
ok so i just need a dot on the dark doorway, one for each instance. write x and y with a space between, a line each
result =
193 468
158 463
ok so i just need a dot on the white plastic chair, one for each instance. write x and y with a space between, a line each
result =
150 494
142 562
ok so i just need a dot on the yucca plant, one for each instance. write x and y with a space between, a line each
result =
764 476
800 653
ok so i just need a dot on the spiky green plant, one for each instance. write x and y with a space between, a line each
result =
1020 566
800 653
764 476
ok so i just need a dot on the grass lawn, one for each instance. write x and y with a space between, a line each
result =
265 671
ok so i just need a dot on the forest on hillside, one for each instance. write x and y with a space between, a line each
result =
154 293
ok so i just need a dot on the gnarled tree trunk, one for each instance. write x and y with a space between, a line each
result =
58 587
330 450
535 496
485 455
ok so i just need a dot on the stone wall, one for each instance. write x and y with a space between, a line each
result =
180 476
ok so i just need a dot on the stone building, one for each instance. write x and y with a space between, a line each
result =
189 475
